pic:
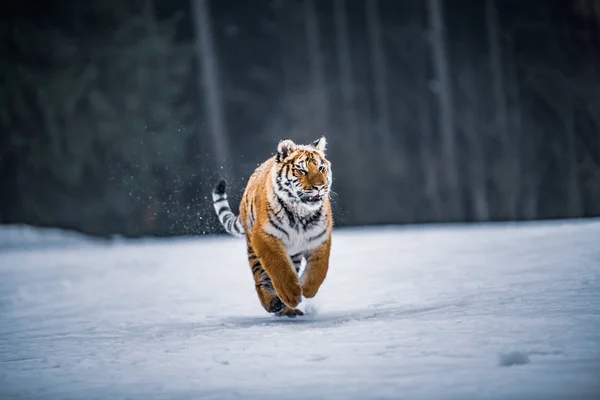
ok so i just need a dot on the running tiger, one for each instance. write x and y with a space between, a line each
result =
285 215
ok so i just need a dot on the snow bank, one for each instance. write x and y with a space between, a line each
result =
26 237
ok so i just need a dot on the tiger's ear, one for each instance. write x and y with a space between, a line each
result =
320 144
284 148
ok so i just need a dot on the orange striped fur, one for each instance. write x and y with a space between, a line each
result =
285 216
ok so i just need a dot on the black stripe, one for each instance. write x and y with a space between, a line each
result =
283 189
223 209
279 227
256 268
288 213
284 171
250 221
311 220
320 235
271 214
296 255
220 200
220 188
267 284
238 225
270 210
273 217
249 209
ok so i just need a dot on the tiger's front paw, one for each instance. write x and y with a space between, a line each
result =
309 290
289 312
290 292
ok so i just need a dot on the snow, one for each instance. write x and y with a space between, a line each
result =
496 311
24 236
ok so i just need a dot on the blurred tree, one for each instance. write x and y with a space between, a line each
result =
320 119
453 187
508 156
111 127
350 124
209 84
379 77
474 125
433 112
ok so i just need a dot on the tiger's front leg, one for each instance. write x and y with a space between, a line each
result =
317 264
287 311
278 265
263 285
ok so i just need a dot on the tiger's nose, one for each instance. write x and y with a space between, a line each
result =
319 187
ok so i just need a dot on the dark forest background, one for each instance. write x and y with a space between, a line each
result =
119 116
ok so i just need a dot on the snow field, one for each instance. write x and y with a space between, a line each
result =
493 311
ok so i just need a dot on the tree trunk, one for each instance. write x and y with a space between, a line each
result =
379 75
471 125
319 96
527 207
290 31
282 38
509 151
573 189
496 68
453 187
209 85
428 151
345 68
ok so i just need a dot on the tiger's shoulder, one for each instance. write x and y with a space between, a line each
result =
255 197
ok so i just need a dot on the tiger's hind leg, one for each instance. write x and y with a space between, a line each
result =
263 285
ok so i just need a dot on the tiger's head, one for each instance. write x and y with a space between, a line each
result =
303 172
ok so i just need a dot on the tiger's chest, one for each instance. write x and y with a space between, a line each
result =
300 233
300 240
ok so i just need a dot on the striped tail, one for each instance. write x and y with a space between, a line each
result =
231 223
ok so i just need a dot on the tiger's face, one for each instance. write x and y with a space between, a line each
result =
304 174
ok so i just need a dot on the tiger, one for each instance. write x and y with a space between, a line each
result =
285 215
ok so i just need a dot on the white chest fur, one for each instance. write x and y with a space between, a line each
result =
300 240
299 230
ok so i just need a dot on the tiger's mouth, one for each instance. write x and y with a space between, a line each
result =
312 198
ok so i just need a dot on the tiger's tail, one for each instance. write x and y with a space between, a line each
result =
231 222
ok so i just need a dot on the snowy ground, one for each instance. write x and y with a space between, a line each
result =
497 312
